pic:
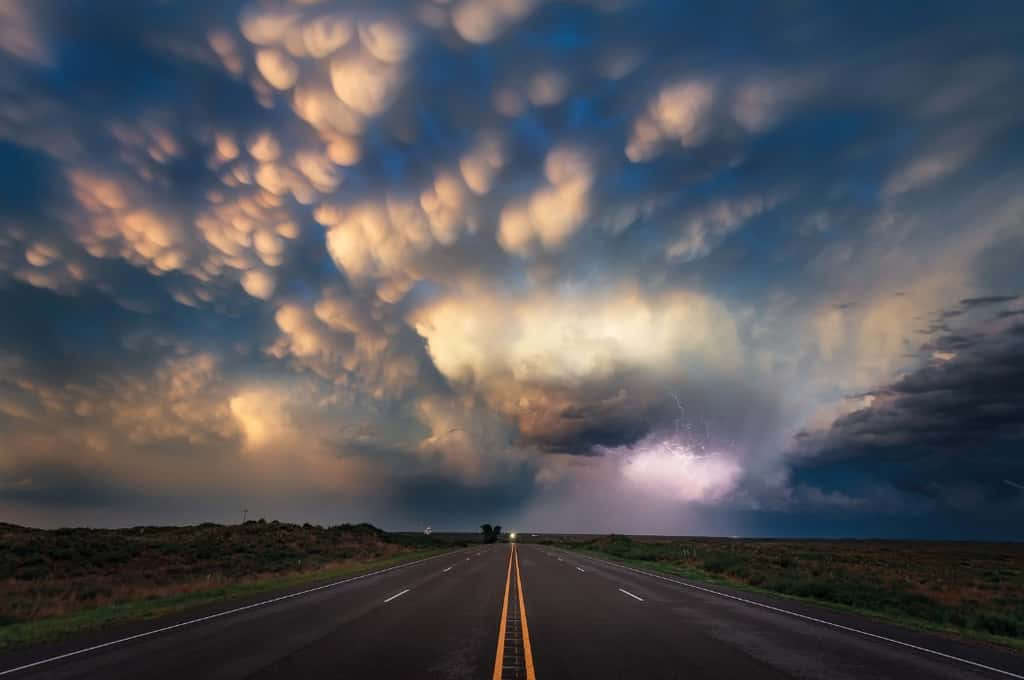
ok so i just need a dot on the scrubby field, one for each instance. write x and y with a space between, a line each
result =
66 580
973 588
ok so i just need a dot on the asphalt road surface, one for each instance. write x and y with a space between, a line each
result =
529 612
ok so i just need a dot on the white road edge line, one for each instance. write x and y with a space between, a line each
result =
226 612
635 597
831 624
397 595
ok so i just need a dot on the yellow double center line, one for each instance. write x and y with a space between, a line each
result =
518 619
527 649
499 657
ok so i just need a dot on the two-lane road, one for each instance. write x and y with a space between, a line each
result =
526 612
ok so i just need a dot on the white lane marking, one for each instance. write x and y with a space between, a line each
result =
579 569
467 559
831 624
447 570
190 622
397 595
559 559
635 597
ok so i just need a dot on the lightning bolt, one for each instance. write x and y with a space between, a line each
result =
690 440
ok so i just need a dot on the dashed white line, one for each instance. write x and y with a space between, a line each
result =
190 622
397 595
579 569
823 622
447 570
635 597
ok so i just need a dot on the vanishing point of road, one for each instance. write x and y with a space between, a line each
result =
506 611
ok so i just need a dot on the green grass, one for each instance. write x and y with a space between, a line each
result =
50 629
971 590
56 583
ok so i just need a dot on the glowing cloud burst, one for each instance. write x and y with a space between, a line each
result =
666 467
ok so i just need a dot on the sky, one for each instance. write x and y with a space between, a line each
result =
745 268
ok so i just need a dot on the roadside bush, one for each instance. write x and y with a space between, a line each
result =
996 624
722 564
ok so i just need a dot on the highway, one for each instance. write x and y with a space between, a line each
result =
500 611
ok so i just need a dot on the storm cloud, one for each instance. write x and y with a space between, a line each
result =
964 401
385 260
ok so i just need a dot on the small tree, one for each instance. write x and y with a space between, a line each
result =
490 533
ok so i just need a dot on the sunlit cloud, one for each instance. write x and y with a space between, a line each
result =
680 112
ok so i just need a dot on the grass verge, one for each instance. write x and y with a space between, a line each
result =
18 635
697 575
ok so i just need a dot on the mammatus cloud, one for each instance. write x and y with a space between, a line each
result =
395 257
551 215
681 112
